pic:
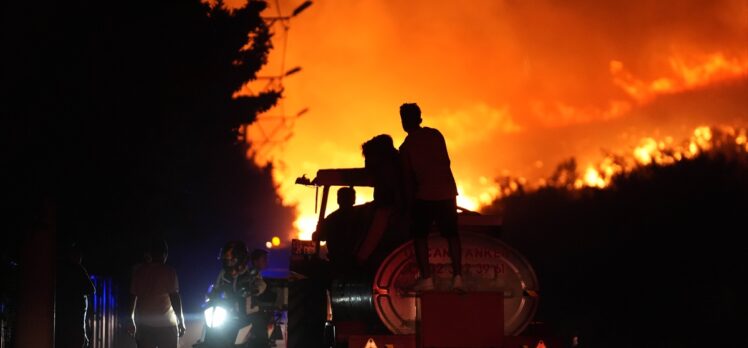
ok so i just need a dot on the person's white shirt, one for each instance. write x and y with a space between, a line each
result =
152 283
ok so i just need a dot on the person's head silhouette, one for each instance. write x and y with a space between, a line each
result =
378 146
159 250
259 259
346 197
410 115
378 151
71 253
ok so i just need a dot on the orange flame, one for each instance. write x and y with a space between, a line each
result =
499 73
660 153
686 74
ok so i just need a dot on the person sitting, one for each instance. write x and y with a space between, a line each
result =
338 230
258 293
241 286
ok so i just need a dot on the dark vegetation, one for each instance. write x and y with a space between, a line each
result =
120 116
658 259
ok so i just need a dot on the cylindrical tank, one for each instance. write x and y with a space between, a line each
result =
488 265
351 299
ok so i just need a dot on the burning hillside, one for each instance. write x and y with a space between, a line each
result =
650 152
652 260
515 87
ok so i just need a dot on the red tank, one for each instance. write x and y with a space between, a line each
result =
488 265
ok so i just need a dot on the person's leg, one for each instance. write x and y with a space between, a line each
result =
420 228
446 221
422 256
166 337
144 336
455 252
68 335
259 336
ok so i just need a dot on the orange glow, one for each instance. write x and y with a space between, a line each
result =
306 224
593 179
515 87
741 138
644 152
275 241
660 153
466 202
684 75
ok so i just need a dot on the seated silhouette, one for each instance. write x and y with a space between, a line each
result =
339 229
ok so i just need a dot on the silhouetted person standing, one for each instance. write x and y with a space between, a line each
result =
430 192
156 307
71 300
382 161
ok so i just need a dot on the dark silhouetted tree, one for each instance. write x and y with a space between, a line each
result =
125 113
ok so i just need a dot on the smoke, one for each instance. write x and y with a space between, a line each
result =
515 86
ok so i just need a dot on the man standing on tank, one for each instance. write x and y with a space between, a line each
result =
430 192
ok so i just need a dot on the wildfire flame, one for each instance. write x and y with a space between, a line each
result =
663 153
686 74
501 71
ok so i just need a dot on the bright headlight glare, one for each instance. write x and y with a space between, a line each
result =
215 316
